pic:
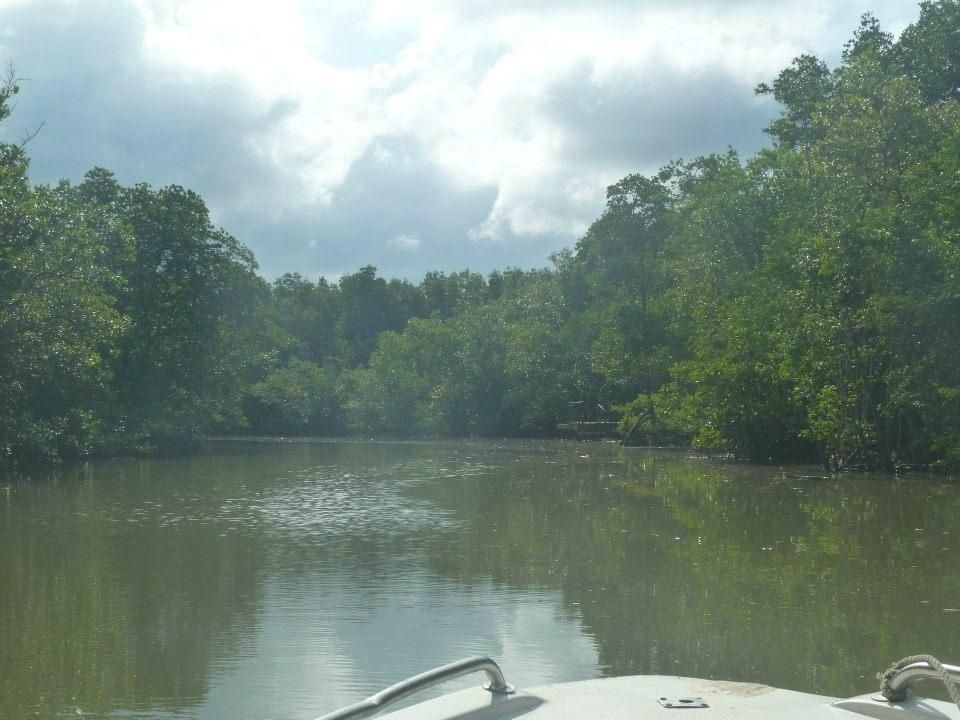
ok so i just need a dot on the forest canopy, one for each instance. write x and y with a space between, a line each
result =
802 304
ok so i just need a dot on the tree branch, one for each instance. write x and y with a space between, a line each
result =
29 135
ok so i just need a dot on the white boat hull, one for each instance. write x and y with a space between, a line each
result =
647 698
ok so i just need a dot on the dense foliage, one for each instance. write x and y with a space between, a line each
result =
800 304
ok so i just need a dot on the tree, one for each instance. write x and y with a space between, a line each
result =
300 399
367 309
58 326
799 88
191 291
622 257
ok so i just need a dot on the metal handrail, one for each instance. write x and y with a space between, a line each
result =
405 688
900 681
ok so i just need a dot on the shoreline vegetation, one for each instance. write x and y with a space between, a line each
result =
802 304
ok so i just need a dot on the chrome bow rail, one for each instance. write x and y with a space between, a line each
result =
375 703
918 667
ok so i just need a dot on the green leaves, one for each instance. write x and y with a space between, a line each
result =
300 399
58 325
800 89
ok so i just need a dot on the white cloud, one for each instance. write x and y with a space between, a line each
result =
405 241
537 105
471 85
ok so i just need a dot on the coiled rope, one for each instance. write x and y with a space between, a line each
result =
890 694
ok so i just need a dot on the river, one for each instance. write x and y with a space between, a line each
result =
268 580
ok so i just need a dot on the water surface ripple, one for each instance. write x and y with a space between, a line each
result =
285 580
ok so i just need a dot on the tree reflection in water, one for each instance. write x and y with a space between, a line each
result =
288 579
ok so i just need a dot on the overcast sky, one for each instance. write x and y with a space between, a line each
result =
411 135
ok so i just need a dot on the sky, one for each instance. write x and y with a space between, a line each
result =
412 135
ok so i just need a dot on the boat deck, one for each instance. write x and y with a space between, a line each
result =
658 697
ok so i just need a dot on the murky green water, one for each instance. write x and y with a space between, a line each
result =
283 581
